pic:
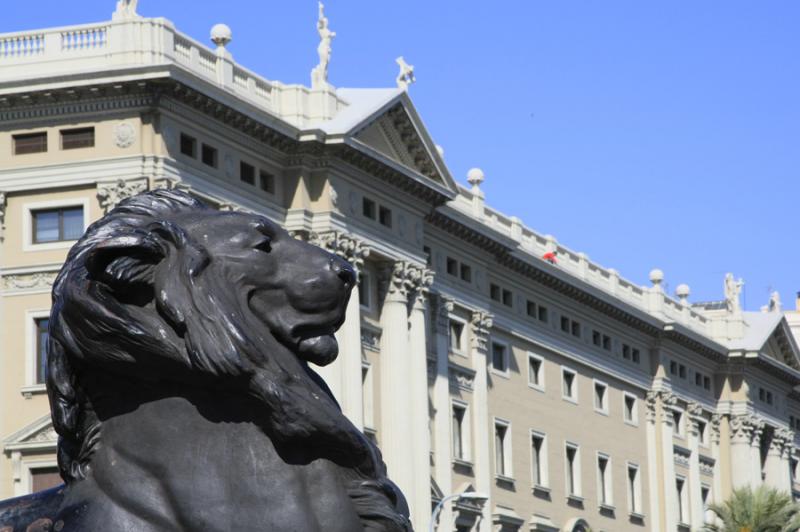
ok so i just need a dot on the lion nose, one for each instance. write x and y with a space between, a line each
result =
343 271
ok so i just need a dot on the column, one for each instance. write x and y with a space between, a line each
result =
777 464
757 477
786 462
651 403
742 428
395 423
668 402
695 412
483 433
343 376
442 421
419 436
716 494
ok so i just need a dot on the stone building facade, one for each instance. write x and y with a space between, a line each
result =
479 354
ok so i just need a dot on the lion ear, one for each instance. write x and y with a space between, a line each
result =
126 260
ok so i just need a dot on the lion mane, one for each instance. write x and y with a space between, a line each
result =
177 322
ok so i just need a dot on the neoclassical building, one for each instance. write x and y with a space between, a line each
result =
480 355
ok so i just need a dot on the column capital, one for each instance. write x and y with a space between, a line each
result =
746 428
695 416
480 324
668 401
783 438
350 248
716 419
406 279
110 193
444 306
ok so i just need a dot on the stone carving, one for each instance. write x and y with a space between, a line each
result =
347 247
407 279
774 304
668 402
3 207
109 194
681 456
707 466
480 324
126 9
462 378
30 281
124 135
47 435
371 340
694 409
733 289
716 419
180 383
444 306
746 428
319 75
406 76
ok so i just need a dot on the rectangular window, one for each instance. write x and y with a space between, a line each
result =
494 292
499 357
368 208
576 329
266 182
367 399
30 143
530 308
673 368
42 337
542 314
466 273
502 449
681 371
538 460
364 291
535 371
508 298
635 356
630 411
606 342
634 490
698 379
572 470
701 432
73 139
680 486
705 496
428 256
459 448
57 225
565 324
626 352
569 388
385 216
208 154
706 383
456 336
601 397
452 266
596 338
677 420
604 482
188 145
247 173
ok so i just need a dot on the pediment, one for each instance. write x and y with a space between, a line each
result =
39 434
781 346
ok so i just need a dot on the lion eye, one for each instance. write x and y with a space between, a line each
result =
265 245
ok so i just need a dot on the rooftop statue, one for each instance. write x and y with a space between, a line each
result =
319 75
180 386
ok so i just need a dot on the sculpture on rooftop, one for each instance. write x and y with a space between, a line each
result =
732 290
406 76
180 386
319 75
126 8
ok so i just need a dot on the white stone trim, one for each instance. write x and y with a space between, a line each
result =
544 465
541 385
578 476
608 504
506 355
466 433
27 222
31 386
603 409
634 510
508 461
634 421
28 467
574 397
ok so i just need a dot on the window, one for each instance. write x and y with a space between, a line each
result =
530 308
368 208
452 266
364 292
367 400
542 314
596 338
626 352
569 389
266 182
502 449
538 459
72 139
673 368
677 420
428 256
459 445
385 216
188 145
535 371
707 383
635 355
604 483
494 292
573 474
30 143
702 432
565 324
466 273
57 225
681 371
698 379
456 336
42 336
208 154
499 357
576 329
680 486
606 342
247 173
508 298
600 397
629 407
43 478
634 490
705 497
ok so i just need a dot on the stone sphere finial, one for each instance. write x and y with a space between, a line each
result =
475 177
221 35
656 276
683 292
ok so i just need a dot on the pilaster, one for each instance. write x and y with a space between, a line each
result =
695 412
442 424
653 459
480 325
745 450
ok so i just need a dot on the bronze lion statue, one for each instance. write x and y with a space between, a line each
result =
180 386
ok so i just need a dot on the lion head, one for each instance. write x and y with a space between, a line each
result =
164 288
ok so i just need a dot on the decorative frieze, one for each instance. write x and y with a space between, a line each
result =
109 194
707 465
347 247
371 339
28 281
715 422
461 378
681 456
124 135
480 324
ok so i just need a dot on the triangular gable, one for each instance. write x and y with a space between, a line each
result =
781 346
39 434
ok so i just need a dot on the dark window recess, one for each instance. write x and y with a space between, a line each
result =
385 216
42 337
428 257
30 143
626 351
565 324
266 182
707 383
494 292
673 368
247 173
530 308
576 329
635 355
698 379
606 342
188 146
452 266
72 139
682 371
542 313
57 225
508 298
499 360
466 273
368 208
208 155
596 338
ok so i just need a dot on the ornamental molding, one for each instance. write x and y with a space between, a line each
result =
716 419
461 378
746 428
444 306
124 135
3 206
480 324
407 279
110 193
694 409
28 281
706 465
668 402
351 249
681 456
371 339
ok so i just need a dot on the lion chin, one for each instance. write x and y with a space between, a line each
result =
319 350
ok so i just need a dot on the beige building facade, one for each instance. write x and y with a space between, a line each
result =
479 354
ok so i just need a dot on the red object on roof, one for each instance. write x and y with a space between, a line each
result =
550 257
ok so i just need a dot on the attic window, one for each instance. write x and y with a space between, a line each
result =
368 208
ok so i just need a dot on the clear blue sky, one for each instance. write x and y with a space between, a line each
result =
646 134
